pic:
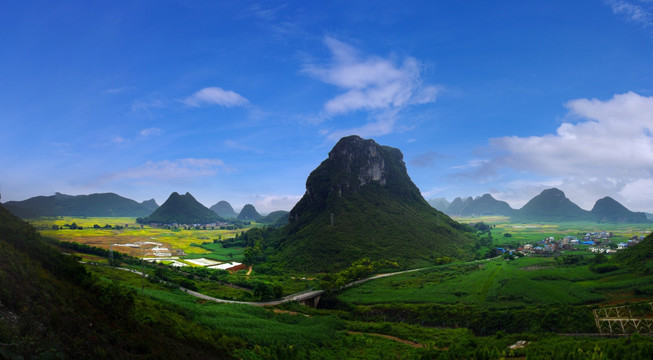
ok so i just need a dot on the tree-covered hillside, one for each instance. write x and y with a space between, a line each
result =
51 307
100 205
181 209
360 202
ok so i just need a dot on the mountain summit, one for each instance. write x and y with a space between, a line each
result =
224 209
552 205
610 210
360 202
181 209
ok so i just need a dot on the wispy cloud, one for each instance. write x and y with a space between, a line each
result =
635 12
173 169
426 159
266 13
215 96
151 132
141 108
370 83
238 145
142 135
117 90
269 203
381 86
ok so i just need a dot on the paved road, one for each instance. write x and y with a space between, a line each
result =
292 297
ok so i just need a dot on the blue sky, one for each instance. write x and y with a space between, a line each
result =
240 101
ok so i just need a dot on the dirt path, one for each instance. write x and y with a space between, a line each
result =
249 271
390 337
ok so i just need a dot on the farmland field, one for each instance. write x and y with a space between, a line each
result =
522 233
130 232
501 283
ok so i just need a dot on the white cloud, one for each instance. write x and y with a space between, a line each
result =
384 123
631 11
608 151
174 169
370 83
615 139
151 132
639 194
215 96
269 203
378 85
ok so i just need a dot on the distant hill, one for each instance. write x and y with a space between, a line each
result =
610 210
150 204
552 205
360 202
104 204
279 218
224 209
458 205
439 203
488 205
249 213
181 209
481 206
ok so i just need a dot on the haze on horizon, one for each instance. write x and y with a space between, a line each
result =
241 101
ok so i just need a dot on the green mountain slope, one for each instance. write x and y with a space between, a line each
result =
552 205
638 257
249 213
105 204
181 209
279 217
610 210
224 209
360 202
52 308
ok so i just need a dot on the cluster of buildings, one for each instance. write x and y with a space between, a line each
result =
211 226
599 242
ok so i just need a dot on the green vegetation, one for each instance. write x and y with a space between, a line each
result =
361 203
181 209
224 210
97 205
249 213
456 310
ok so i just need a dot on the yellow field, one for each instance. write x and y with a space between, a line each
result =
133 233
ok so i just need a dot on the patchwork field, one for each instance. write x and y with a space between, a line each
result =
125 231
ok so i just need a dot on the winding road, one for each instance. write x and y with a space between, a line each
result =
300 296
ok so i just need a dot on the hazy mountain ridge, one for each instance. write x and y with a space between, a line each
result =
224 209
100 205
550 205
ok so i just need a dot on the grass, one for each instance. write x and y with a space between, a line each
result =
499 283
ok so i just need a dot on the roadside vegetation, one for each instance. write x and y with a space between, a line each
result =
449 310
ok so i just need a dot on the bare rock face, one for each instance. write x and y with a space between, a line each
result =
352 164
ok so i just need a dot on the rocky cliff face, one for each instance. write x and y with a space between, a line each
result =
352 164
360 202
